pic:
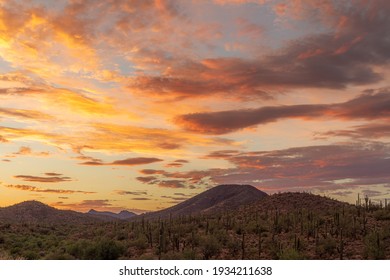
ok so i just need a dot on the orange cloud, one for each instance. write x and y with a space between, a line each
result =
48 179
42 190
368 106
25 114
27 151
3 140
125 162
32 39
123 192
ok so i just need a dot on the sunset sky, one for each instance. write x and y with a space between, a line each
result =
141 104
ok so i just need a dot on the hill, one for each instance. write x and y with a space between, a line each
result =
123 215
36 212
291 201
219 198
241 223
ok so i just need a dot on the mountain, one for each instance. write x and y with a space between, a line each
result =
123 215
37 212
290 201
219 198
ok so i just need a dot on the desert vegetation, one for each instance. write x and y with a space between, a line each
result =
281 226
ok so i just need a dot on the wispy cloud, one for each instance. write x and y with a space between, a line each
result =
128 161
43 190
368 106
136 193
48 179
27 151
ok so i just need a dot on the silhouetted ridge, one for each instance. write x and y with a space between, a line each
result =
124 214
222 197
38 212
290 201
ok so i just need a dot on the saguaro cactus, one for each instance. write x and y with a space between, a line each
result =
340 247
243 246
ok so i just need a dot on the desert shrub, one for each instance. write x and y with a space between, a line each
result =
109 250
15 250
189 254
122 235
382 214
6 256
30 255
146 256
210 247
77 249
234 247
59 256
90 252
326 246
172 256
222 236
140 243
290 254
374 247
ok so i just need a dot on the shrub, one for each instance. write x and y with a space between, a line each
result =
109 250
210 247
374 248
290 254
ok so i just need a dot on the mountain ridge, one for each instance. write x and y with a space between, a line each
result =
221 197
122 215
33 211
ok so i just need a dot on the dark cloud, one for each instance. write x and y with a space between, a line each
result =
136 161
53 174
152 171
341 193
372 130
326 167
181 161
180 194
221 154
188 179
140 198
347 53
122 192
368 106
93 163
175 184
128 161
177 163
146 179
174 164
371 193
42 190
174 198
48 179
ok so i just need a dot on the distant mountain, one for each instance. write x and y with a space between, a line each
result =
222 197
123 215
37 212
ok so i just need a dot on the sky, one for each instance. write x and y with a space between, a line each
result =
142 104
